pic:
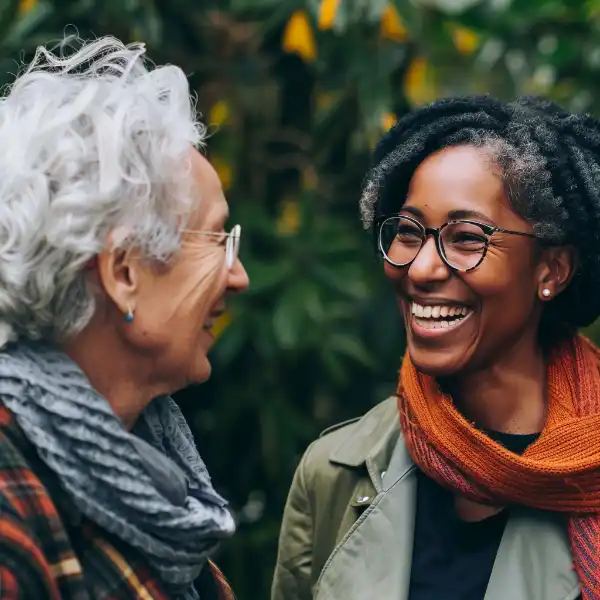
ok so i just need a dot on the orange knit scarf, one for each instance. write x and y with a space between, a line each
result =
559 472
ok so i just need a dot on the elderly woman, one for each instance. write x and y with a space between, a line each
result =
480 478
114 264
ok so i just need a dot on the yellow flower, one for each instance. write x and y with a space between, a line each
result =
26 5
224 171
221 323
298 37
324 100
310 179
466 41
391 26
327 12
388 121
289 220
419 83
219 113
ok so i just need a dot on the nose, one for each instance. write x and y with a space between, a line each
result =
238 280
428 266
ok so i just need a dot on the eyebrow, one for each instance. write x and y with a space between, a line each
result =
453 214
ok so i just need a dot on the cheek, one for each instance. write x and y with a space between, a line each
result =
188 292
503 277
197 296
394 274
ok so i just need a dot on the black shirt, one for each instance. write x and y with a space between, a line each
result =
453 559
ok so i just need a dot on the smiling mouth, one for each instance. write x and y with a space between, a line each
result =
439 316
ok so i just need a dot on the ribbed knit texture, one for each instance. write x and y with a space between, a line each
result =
80 438
559 472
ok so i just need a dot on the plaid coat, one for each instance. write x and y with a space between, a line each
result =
49 550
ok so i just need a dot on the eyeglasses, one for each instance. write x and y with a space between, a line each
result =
461 244
232 245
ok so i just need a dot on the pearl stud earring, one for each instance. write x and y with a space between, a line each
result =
546 293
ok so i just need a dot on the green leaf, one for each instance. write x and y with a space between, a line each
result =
266 277
335 367
231 342
374 9
25 25
351 347
350 285
254 5
151 24
412 15
288 318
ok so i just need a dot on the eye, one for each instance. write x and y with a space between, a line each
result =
406 232
462 237
466 242
221 238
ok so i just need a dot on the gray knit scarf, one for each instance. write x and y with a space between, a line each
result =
149 488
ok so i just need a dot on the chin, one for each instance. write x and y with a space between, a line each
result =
201 372
438 363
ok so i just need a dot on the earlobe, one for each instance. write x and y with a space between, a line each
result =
559 266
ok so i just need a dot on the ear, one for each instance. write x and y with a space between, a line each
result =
557 267
119 275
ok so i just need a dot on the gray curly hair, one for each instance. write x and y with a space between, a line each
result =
95 141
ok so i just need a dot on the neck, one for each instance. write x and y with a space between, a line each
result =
116 374
510 396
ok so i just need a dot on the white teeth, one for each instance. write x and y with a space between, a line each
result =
440 311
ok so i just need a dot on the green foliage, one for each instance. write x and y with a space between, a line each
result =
317 338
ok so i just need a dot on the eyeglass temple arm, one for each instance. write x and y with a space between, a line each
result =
523 233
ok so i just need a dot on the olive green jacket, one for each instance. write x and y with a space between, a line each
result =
347 531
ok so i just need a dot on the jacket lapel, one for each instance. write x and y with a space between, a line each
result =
373 560
359 566
534 561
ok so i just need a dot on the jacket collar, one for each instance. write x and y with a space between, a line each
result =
372 439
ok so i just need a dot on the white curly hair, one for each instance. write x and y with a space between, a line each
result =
94 141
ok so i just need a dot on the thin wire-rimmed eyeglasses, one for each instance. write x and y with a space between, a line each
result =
462 244
232 243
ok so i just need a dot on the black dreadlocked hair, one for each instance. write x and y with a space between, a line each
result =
550 163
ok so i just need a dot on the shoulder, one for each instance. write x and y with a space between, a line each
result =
22 488
358 436
25 513
378 413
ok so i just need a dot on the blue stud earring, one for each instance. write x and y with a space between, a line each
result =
129 315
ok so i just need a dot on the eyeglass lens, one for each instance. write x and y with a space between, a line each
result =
233 246
463 245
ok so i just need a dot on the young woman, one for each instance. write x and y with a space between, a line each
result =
480 479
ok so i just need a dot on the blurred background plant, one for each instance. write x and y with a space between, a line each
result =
297 92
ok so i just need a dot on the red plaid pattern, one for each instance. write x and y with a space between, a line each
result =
49 550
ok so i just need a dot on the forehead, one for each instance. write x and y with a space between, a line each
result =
461 178
213 210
